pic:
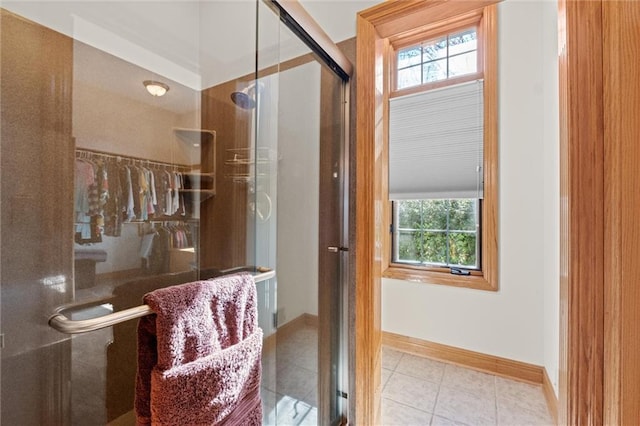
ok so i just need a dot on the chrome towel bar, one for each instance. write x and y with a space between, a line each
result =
63 324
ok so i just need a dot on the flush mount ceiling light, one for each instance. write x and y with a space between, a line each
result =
155 88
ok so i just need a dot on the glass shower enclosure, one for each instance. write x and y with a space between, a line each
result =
149 144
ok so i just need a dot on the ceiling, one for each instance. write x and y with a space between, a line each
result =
190 45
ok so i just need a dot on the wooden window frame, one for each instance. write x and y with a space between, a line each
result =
486 278
432 33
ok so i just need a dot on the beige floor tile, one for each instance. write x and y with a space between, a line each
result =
527 396
390 358
295 381
465 407
268 372
411 391
441 421
384 377
311 419
290 411
423 368
396 414
468 380
511 413
269 400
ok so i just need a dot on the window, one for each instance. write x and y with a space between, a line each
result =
445 57
442 154
437 232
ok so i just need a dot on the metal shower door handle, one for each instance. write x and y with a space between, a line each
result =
335 249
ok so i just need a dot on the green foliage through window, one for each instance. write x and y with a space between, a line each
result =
437 232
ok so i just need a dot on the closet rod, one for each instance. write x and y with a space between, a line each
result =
129 157
63 324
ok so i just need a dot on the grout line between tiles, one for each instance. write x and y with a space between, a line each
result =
408 406
435 402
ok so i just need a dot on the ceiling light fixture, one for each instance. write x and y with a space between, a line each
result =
155 88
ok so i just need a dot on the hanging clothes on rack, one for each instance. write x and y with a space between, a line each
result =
91 193
116 190
113 204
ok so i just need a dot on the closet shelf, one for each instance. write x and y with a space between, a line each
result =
205 194
244 162
203 180
200 174
195 136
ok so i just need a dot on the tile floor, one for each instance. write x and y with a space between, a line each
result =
416 391
289 380
420 391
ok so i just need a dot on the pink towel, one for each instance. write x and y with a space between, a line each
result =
199 355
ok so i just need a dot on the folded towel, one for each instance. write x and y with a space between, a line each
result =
199 355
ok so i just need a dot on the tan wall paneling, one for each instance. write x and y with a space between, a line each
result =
223 218
37 166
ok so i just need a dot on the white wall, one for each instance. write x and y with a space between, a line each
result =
551 189
511 322
298 191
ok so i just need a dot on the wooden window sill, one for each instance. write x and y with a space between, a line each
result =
416 274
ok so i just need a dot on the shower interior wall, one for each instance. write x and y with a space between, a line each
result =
36 266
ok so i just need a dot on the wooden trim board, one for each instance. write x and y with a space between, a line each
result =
368 274
550 396
622 228
511 369
582 219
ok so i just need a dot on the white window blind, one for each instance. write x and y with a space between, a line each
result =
436 143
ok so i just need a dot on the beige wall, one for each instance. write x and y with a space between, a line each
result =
111 122
520 320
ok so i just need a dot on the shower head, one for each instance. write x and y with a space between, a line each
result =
243 100
246 98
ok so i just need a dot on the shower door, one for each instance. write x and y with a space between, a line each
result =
246 173
300 123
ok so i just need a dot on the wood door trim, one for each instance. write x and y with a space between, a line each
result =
622 230
374 27
581 213
368 283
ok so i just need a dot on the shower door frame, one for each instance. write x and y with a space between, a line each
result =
295 17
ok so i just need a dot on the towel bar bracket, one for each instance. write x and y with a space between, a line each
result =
64 324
